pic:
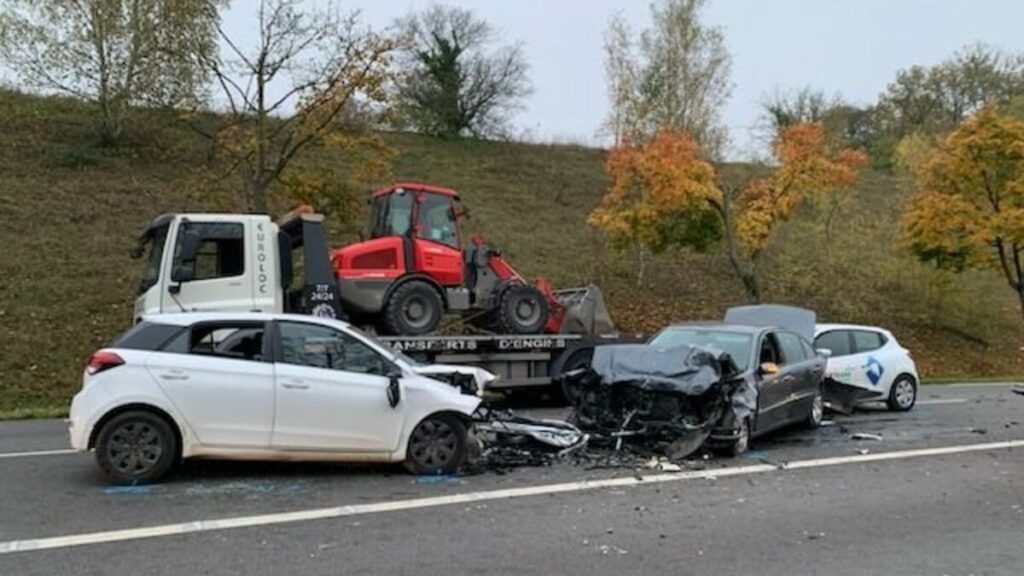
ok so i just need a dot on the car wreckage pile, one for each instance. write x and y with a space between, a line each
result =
633 401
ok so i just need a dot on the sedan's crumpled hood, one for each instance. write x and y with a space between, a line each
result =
670 397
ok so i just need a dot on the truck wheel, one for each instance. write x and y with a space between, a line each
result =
136 447
413 309
436 446
522 310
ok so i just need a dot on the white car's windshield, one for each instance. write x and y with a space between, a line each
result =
736 344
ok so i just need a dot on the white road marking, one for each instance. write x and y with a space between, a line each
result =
469 497
36 453
974 384
943 401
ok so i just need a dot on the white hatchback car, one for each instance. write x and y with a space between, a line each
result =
870 358
261 386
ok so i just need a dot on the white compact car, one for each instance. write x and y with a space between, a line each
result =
869 358
261 386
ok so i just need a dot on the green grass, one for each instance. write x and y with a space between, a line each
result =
1008 380
34 413
70 210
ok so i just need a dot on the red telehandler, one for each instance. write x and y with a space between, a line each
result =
413 269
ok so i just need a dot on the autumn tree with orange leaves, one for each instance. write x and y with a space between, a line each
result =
969 210
665 193
661 195
807 169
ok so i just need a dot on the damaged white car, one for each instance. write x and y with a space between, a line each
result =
262 386
867 364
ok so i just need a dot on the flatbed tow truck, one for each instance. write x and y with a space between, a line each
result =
399 283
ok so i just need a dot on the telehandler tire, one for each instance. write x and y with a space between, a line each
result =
413 309
522 309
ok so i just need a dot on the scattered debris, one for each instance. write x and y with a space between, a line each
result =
865 436
979 431
504 440
1018 390
863 451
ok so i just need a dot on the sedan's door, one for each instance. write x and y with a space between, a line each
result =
219 377
772 387
332 392
804 371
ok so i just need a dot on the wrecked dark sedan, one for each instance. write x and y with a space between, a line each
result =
722 383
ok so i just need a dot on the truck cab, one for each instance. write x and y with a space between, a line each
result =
235 263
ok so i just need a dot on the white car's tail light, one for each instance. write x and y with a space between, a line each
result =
102 360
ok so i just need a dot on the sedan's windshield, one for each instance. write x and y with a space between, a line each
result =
736 344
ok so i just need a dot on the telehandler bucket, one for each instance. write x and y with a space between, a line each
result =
585 311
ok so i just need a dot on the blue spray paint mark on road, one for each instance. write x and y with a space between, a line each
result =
113 490
436 480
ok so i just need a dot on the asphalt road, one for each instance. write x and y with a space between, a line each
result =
924 500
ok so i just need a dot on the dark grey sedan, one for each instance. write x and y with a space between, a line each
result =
780 365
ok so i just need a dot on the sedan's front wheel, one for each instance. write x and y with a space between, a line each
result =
136 447
437 445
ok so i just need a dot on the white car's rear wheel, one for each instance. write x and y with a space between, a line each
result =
437 445
136 447
903 394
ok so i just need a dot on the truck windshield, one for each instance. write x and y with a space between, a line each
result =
392 214
151 250
736 344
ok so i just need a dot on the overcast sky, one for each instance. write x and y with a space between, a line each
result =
847 47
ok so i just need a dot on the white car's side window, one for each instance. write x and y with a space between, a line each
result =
836 341
323 347
866 341
240 341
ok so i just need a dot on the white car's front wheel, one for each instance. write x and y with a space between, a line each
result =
437 445
903 394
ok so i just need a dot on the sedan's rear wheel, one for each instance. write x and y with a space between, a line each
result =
436 446
902 395
136 447
816 413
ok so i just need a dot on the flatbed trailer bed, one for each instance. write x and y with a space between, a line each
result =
519 361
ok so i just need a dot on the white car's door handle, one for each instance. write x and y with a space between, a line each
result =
294 384
175 375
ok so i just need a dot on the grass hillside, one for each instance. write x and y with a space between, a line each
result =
69 213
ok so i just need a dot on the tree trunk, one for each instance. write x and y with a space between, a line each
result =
256 189
641 267
745 271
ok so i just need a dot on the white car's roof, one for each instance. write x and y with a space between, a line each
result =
819 328
189 318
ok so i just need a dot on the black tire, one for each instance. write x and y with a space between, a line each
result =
740 445
413 309
136 447
577 359
902 394
816 413
436 446
522 309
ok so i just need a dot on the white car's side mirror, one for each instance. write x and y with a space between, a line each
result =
824 352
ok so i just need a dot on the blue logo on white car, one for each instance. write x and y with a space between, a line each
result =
874 370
